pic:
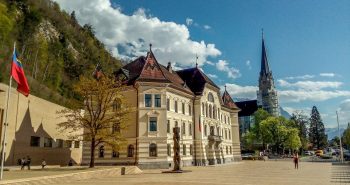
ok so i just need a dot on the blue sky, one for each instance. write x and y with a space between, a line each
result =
308 43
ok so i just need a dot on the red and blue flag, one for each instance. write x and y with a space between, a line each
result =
17 73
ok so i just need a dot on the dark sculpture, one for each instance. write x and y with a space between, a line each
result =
176 148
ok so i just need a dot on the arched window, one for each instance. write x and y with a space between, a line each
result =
203 109
115 154
101 152
130 150
153 150
210 97
206 111
210 111
214 112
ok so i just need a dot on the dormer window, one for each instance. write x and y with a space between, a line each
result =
210 97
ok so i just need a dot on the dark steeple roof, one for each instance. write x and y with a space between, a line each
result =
248 108
264 62
195 79
228 101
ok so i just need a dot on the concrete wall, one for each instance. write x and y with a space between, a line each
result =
33 116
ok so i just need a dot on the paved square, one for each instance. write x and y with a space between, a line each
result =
247 172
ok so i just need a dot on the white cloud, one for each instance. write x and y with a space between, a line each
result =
303 77
128 36
222 65
210 63
344 112
293 110
247 63
189 21
307 95
207 27
310 85
327 74
238 91
212 76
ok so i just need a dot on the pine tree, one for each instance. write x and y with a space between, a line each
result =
317 136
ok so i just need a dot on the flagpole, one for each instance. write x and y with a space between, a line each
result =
6 124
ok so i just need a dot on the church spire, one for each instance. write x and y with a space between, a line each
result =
264 62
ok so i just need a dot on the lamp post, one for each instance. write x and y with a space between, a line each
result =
340 143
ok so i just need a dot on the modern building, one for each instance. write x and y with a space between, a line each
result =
246 115
32 131
267 94
165 99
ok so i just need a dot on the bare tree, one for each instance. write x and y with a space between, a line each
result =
101 114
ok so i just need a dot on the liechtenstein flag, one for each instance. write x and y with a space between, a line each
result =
17 73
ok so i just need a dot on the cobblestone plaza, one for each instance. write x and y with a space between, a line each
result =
247 172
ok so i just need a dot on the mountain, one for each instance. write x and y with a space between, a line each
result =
284 113
53 48
332 132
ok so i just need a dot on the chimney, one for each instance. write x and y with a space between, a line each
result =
169 68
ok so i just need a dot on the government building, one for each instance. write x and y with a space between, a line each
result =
164 99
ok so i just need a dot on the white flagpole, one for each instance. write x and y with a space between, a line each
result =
6 124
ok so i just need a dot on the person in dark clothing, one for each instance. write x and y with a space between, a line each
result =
296 161
23 163
28 162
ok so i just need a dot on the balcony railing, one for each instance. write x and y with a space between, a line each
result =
215 138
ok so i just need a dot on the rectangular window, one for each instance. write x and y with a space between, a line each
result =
168 104
175 106
168 127
189 110
176 124
76 144
183 108
157 100
59 143
34 141
191 149
183 128
148 100
190 129
183 149
169 149
68 144
47 142
153 124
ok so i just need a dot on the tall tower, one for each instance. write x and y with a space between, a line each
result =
267 95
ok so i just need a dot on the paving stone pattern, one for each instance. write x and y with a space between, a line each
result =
243 173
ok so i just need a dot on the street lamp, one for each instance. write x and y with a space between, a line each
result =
341 146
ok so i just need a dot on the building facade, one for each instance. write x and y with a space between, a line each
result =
267 94
165 99
32 131
246 116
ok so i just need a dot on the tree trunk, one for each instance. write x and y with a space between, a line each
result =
92 153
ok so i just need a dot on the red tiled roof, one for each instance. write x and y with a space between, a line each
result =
228 101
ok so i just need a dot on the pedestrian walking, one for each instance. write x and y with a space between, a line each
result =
23 163
29 160
296 160
43 164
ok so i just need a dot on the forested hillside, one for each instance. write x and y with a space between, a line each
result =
54 49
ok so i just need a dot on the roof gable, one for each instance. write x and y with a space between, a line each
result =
228 101
151 69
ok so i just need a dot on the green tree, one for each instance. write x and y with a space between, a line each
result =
105 114
301 121
317 135
346 136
